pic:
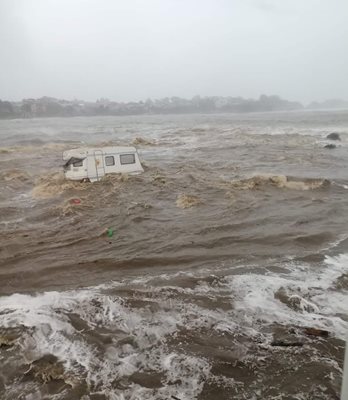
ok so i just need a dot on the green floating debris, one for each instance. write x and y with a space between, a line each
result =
110 232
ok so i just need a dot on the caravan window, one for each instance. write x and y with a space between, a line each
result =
78 163
127 159
109 161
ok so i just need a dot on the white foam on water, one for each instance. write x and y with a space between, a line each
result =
139 335
320 304
53 333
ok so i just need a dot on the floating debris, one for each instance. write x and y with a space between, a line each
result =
110 232
75 201
316 332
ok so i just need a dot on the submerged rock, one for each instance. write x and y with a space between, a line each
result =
330 146
316 332
333 136
286 343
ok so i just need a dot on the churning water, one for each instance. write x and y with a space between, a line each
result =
225 250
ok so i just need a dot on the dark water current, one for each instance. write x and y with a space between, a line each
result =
232 241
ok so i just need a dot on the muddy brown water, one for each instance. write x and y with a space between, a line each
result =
233 239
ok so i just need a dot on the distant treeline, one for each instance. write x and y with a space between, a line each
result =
51 107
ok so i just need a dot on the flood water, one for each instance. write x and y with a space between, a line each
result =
231 243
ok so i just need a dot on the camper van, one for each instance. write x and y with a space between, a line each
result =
91 164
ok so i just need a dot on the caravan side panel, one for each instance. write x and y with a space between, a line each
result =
96 165
122 163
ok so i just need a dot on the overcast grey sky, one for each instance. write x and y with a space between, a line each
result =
135 49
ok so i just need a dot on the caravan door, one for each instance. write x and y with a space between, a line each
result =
99 164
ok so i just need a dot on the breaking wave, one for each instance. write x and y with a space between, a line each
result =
137 349
15 175
53 185
279 181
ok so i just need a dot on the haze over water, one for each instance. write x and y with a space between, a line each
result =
133 50
233 238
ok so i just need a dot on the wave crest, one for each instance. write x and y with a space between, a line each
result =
279 181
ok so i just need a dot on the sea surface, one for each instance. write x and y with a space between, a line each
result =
225 251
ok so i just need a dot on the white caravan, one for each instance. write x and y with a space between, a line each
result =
93 163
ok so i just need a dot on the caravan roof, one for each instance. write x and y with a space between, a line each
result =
85 151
